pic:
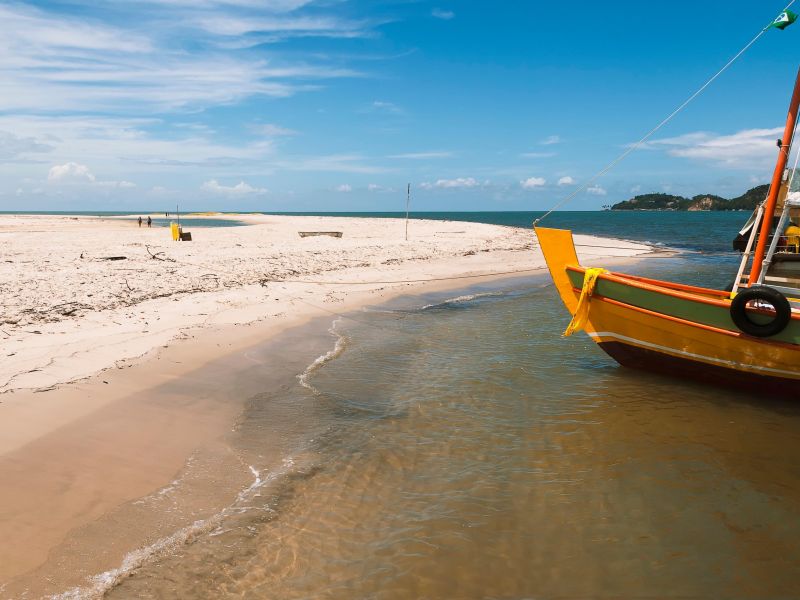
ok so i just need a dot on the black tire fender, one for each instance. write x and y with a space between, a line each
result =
783 311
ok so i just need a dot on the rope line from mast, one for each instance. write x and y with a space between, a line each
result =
652 132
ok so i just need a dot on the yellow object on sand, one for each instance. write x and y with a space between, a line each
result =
176 231
582 312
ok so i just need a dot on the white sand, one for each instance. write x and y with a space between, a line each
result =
66 313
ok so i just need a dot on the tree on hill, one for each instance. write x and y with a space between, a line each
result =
746 201
750 199
651 202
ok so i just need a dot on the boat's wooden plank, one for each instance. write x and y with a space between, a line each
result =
705 311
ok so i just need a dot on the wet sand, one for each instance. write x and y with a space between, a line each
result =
69 510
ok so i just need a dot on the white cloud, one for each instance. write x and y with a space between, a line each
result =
113 145
279 27
14 147
344 188
636 189
532 183
55 61
276 6
550 140
738 150
443 14
74 173
66 66
42 32
176 156
240 188
70 171
566 180
459 182
596 190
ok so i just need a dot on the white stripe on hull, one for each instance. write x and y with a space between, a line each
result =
710 359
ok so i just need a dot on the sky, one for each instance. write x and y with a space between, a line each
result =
337 105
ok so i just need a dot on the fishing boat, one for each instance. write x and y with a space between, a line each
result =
747 336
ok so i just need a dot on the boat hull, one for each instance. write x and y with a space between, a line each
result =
676 330
662 363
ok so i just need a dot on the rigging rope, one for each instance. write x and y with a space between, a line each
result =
650 133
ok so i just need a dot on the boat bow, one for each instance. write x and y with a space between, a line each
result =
681 330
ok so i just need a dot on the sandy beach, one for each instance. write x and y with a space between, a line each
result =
125 353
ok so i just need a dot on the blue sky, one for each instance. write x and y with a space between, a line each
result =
336 105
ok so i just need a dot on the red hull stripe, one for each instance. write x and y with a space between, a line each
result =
674 366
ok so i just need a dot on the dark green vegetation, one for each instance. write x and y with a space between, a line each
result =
746 201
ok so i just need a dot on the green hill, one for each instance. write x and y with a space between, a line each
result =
746 201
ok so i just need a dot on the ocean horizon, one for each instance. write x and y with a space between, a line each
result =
699 231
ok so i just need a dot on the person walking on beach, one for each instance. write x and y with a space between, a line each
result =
140 221
149 221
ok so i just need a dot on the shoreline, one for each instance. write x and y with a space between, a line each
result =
88 312
153 391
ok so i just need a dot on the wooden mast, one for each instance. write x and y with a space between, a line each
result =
775 186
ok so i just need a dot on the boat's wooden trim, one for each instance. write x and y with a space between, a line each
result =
610 321
667 317
695 295
711 328
672 285
681 306
665 288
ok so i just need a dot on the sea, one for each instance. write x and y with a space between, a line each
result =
455 446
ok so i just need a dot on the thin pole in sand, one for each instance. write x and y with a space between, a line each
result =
408 201
178 215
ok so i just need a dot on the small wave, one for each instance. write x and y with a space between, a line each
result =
100 585
321 361
463 299
257 483
173 485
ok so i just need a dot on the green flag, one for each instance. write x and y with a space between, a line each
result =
784 19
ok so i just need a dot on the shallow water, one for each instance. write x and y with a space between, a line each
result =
457 447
